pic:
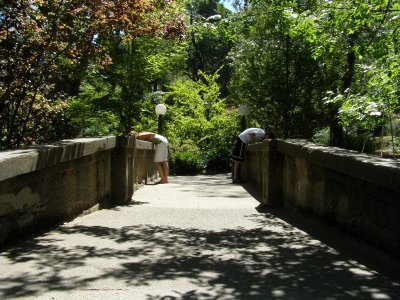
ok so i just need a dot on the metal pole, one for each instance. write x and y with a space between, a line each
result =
160 119
392 135
243 123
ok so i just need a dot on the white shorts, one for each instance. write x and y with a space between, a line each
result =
161 153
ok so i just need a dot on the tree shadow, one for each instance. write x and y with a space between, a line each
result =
331 234
272 261
283 256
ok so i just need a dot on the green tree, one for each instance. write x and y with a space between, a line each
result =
210 40
47 46
354 41
200 122
274 71
291 53
121 94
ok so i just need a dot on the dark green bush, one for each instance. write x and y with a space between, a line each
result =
321 137
219 162
353 141
183 163
361 143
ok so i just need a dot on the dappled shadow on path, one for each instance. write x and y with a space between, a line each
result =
272 261
209 186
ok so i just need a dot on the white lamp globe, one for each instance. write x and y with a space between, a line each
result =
161 109
243 110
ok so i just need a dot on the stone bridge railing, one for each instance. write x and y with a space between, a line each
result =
358 192
48 184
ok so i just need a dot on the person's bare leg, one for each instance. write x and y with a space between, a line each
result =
235 174
160 170
165 168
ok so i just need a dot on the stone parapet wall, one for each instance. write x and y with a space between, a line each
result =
44 185
358 192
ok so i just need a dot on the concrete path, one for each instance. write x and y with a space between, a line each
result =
198 237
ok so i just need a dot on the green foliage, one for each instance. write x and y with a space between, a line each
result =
91 120
291 53
360 142
357 41
211 36
119 98
52 122
298 65
321 136
184 163
46 48
196 128
218 138
274 72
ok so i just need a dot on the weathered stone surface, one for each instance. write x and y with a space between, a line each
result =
48 184
356 191
17 162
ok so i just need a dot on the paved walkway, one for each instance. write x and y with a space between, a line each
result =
197 238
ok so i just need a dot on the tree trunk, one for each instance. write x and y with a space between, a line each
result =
336 129
198 56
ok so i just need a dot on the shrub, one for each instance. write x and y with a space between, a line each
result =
321 137
183 163
219 162
362 143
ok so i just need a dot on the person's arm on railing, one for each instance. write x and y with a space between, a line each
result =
145 135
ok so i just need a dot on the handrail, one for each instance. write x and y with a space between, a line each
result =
47 184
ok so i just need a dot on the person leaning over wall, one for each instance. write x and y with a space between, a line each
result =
248 136
161 152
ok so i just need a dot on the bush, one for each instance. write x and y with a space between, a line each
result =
183 163
219 162
362 143
321 137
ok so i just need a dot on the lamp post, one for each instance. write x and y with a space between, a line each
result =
243 111
161 109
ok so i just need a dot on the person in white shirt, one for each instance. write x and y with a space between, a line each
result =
248 136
